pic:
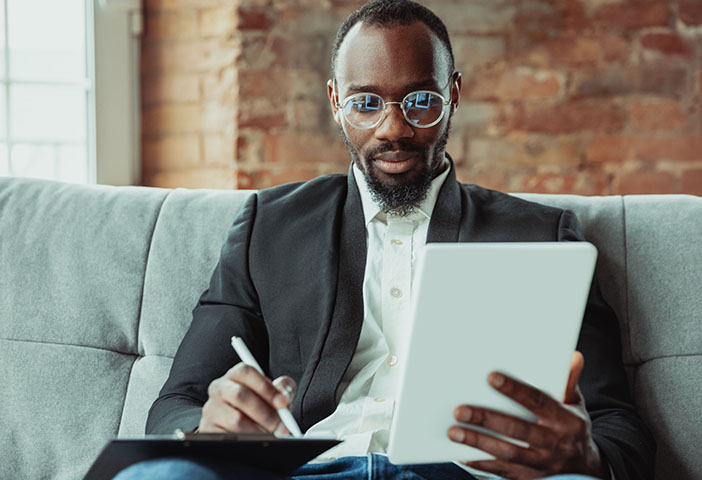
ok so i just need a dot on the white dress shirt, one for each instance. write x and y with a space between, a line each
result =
367 393
369 386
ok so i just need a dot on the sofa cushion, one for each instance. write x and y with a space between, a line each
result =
664 275
60 404
187 239
73 259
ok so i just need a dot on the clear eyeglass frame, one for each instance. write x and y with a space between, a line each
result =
342 108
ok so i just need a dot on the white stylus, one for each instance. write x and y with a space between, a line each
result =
245 354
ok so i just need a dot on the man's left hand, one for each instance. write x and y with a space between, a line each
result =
559 442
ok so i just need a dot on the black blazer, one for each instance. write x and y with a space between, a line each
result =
289 281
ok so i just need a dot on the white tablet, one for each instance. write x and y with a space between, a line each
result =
512 307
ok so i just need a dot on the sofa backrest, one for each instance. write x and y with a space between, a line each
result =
97 285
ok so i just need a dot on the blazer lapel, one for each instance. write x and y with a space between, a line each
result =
319 399
446 218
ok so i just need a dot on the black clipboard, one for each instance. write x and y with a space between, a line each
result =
263 450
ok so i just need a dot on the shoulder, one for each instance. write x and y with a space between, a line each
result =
494 200
299 206
294 195
496 213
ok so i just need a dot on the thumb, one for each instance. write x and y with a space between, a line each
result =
577 363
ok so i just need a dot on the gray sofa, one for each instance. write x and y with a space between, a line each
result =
97 284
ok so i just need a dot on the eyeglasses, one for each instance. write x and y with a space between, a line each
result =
421 109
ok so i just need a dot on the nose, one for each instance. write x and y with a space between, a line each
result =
394 126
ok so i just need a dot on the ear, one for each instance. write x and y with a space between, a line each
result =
456 84
333 100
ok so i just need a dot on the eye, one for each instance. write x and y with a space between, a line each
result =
364 103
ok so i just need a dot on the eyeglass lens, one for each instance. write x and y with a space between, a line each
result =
364 110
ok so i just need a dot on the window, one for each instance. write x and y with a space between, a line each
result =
68 104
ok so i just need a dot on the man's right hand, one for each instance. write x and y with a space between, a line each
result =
243 400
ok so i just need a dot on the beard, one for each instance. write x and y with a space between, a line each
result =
402 196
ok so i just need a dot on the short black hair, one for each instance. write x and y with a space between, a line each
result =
391 13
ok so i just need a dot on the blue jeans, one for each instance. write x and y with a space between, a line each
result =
372 467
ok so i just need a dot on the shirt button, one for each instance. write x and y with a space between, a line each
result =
379 399
396 292
397 242
392 360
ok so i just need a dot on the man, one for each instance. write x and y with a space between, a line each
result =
302 278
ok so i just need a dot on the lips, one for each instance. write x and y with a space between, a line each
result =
394 162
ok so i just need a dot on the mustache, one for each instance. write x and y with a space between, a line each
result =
400 145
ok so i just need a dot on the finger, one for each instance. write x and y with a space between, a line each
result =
512 427
500 449
576 367
282 431
288 388
246 401
549 411
263 386
237 421
220 417
506 469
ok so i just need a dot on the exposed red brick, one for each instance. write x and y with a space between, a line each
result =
690 12
251 178
623 148
662 79
218 22
677 148
668 43
629 15
171 152
309 115
556 97
187 57
515 84
653 114
490 177
253 18
582 51
218 118
172 118
692 182
519 149
262 121
569 118
222 178
181 25
221 85
473 51
609 149
218 150
569 182
170 88
609 81
541 19
548 183
476 17
645 182
178 5
291 173
267 84
298 52
303 148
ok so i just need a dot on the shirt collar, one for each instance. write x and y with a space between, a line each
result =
371 210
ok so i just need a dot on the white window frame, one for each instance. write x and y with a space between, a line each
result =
112 67
114 60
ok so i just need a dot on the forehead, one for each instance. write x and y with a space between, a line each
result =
390 58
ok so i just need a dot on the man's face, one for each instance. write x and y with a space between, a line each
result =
398 160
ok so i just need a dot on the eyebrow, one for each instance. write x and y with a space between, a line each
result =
428 83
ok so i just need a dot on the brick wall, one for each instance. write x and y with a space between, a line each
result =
571 96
